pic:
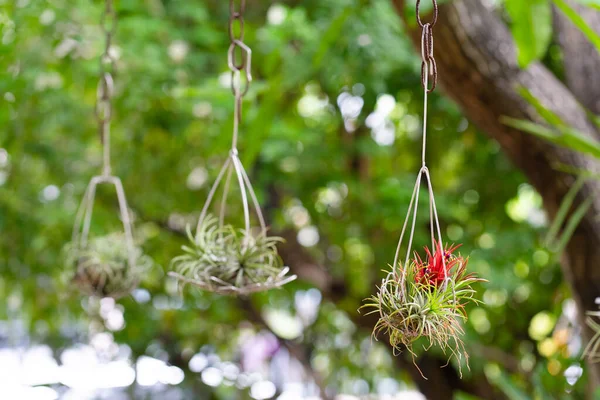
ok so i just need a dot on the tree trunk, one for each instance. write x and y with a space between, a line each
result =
581 72
477 66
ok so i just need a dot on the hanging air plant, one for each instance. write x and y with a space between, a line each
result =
426 299
102 268
230 261
592 350
222 258
106 266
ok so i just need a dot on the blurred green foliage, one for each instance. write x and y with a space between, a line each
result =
531 24
331 139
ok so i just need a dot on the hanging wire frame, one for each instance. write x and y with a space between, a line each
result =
428 69
425 299
105 266
224 259
592 349
219 271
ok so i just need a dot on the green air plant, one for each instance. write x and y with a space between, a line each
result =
102 266
231 261
592 350
425 300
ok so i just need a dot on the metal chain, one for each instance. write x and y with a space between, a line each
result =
105 90
428 64
239 59
429 71
236 15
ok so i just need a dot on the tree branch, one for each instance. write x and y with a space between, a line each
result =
580 58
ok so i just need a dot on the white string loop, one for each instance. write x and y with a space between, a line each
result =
233 164
83 218
413 206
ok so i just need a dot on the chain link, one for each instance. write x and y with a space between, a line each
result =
105 90
428 64
236 15
435 14
239 60
240 85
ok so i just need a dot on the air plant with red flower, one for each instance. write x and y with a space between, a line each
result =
426 299
437 266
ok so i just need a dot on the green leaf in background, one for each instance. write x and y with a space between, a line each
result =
331 35
531 28
572 224
554 243
579 21
565 206
549 116
561 135
512 391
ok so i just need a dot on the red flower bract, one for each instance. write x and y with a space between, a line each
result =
437 266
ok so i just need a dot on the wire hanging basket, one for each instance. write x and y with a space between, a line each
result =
221 258
104 266
425 297
111 265
225 259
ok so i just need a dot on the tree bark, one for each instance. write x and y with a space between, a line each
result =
581 58
477 66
